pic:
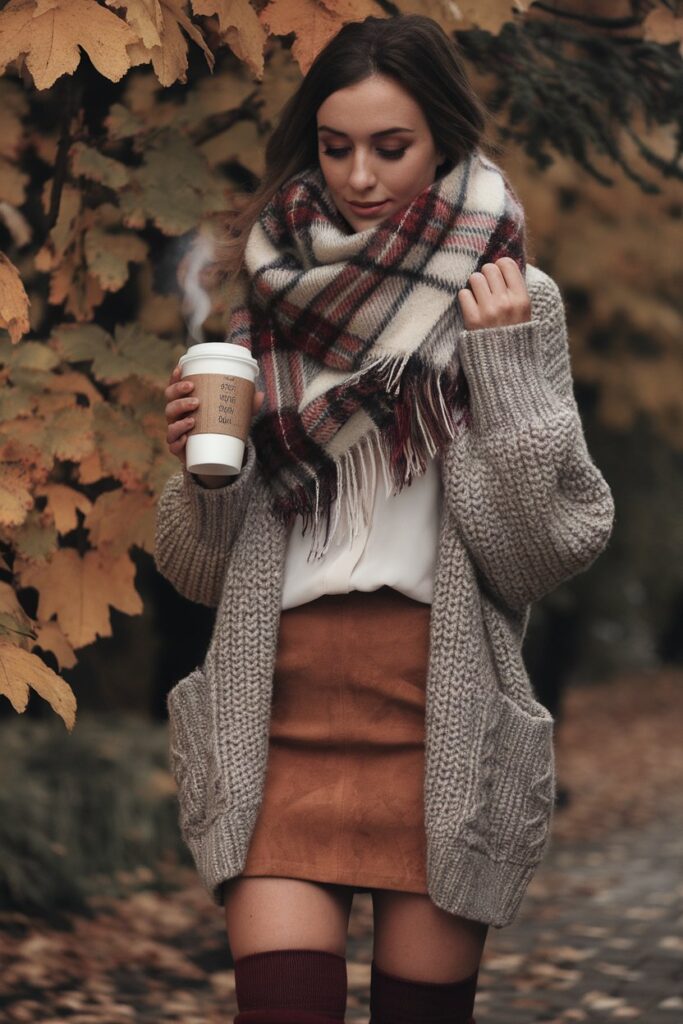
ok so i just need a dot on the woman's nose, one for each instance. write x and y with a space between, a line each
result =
361 175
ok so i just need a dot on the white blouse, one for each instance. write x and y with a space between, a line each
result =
398 549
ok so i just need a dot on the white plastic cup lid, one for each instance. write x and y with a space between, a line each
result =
224 349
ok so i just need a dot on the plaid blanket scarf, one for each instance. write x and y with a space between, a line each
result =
356 335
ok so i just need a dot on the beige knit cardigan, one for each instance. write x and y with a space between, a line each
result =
524 509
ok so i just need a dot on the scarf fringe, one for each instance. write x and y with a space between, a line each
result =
425 418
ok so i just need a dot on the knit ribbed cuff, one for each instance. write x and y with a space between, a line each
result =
220 853
505 372
464 882
210 506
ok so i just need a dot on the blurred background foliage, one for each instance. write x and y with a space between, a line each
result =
117 166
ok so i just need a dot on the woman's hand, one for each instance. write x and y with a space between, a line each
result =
179 415
499 296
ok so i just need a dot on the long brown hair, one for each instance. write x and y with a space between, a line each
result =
413 50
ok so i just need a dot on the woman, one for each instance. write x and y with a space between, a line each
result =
363 720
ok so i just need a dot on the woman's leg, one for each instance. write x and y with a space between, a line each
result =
425 960
418 940
263 913
288 941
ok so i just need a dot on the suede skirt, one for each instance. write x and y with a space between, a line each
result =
343 798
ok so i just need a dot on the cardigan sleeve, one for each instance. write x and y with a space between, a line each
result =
532 506
196 527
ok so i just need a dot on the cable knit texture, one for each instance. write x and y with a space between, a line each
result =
524 509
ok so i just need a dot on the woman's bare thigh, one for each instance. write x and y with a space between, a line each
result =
263 913
417 940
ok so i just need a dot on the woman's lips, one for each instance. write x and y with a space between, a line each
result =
367 211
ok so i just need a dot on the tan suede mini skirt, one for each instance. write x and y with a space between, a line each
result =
343 798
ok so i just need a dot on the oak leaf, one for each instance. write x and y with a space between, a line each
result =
49 33
79 591
14 302
240 28
20 669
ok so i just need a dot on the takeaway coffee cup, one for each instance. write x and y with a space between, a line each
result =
223 376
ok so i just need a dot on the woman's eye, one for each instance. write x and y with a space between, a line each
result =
388 154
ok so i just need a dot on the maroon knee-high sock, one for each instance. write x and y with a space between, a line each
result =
291 986
396 1000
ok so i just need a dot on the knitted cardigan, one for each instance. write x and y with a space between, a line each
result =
524 509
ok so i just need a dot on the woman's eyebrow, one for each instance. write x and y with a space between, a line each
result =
374 135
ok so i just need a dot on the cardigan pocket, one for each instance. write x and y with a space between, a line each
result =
190 749
511 819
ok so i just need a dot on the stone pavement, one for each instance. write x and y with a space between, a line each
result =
598 937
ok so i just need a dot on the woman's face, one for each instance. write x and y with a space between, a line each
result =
374 145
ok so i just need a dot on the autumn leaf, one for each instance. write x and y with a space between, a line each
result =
20 670
490 15
132 352
144 17
240 28
34 540
312 24
125 452
119 519
79 591
13 301
50 34
108 254
242 142
282 76
92 164
169 55
13 618
15 493
174 187
13 185
31 355
49 637
62 503
663 26
14 106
